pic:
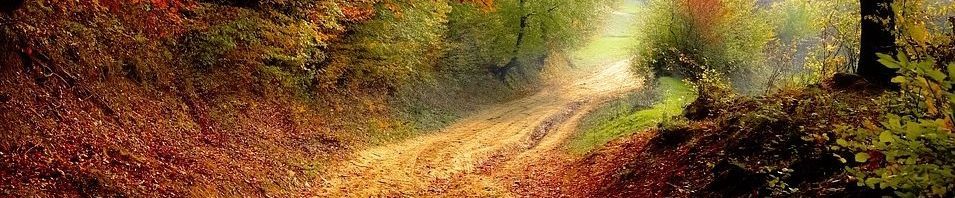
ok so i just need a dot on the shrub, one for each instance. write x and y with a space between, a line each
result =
401 43
205 48
914 153
836 48
798 27
693 38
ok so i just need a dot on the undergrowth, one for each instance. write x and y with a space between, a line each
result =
767 146
911 152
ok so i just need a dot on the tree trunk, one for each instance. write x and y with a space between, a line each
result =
522 31
876 38
502 72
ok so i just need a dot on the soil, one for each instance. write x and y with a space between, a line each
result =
488 154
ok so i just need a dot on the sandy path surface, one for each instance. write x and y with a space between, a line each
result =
469 157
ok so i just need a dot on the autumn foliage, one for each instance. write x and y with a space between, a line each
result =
210 98
705 16
720 42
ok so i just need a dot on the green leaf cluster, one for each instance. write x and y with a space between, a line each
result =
913 154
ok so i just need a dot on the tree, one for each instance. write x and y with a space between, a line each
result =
518 33
878 19
501 72
703 40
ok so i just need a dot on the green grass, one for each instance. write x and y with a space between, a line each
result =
631 7
604 49
615 41
624 117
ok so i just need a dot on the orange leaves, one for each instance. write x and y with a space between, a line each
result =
153 17
705 15
486 4
356 11
168 4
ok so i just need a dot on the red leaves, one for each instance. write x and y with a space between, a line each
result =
355 13
154 17
876 160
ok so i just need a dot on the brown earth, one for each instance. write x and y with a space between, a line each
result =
485 155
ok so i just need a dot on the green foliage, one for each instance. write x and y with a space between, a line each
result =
801 28
290 44
796 20
407 40
912 151
483 39
920 22
924 28
750 48
393 48
913 154
477 39
693 38
777 180
556 23
628 116
837 47
206 48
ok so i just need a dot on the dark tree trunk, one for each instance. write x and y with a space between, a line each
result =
521 34
522 31
502 72
876 38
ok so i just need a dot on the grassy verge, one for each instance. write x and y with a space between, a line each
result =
628 115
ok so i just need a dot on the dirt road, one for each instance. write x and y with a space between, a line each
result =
466 158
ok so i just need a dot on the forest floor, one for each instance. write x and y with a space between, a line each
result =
483 154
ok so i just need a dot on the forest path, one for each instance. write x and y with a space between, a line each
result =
477 155
498 150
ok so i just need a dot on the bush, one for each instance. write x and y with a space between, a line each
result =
401 43
205 48
694 38
914 153
798 25
837 50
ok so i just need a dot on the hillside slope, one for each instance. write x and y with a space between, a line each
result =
195 98
775 145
